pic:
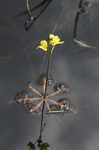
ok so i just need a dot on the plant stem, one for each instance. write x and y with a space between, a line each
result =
45 92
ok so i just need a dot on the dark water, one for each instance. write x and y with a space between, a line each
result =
79 67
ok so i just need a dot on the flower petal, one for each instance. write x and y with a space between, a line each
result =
53 43
55 40
43 45
51 36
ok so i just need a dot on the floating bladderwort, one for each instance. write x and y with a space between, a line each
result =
42 101
34 99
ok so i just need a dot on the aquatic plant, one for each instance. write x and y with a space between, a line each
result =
41 101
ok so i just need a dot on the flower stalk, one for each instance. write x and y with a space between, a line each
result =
45 92
49 48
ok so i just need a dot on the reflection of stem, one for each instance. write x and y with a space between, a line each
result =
77 19
45 92
34 18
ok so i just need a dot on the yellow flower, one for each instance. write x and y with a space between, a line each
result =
55 40
43 45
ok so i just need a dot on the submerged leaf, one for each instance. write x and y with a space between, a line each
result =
83 44
31 146
44 146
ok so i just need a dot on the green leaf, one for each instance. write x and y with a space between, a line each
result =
83 44
44 146
31 146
